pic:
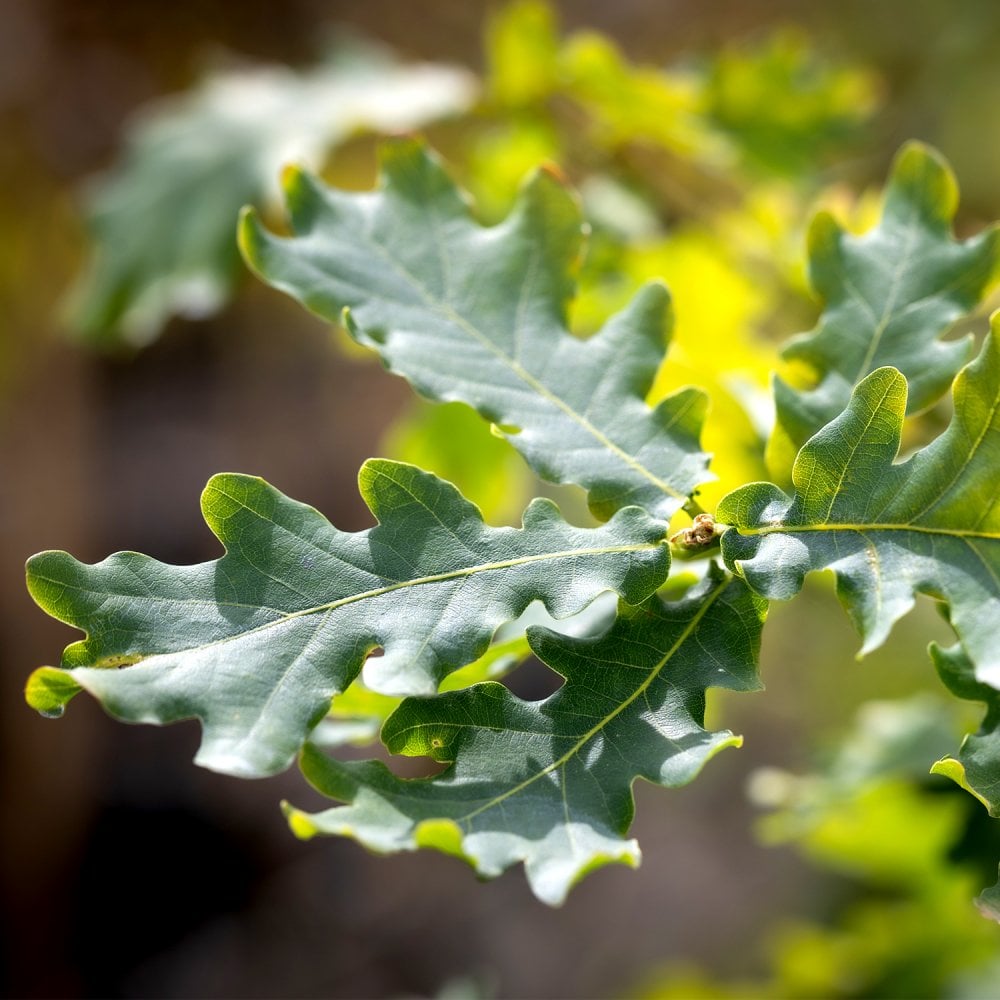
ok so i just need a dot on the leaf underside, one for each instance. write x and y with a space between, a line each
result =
928 525
256 644
889 295
479 315
549 783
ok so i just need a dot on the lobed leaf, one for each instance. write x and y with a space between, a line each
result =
479 315
889 295
255 644
549 783
928 525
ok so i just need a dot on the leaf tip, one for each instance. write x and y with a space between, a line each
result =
401 147
292 176
552 883
920 177
49 690
949 767
405 162
988 903
251 238
299 822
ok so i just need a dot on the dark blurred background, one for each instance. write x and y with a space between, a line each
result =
125 870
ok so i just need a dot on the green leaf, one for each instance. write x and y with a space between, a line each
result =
889 295
549 783
162 220
928 525
479 315
255 644
977 767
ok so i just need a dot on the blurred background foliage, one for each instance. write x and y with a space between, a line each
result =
137 359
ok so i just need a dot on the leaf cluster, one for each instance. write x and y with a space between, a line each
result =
263 643
302 637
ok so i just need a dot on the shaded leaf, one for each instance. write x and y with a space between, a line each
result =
162 221
977 766
255 644
889 295
549 783
928 525
478 315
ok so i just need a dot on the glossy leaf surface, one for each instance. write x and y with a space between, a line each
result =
889 531
479 315
549 783
256 644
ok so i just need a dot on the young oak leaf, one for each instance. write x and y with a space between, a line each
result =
256 644
549 783
479 315
888 295
928 525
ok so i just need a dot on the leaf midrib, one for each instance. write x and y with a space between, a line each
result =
607 719
790 529
518 369
466 571
887 312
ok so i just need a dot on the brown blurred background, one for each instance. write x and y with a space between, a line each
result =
125 870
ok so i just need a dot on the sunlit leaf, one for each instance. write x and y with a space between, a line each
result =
717 306
889 531
977 766
549 783
478 315
256 644
889 296
864 812
522 47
